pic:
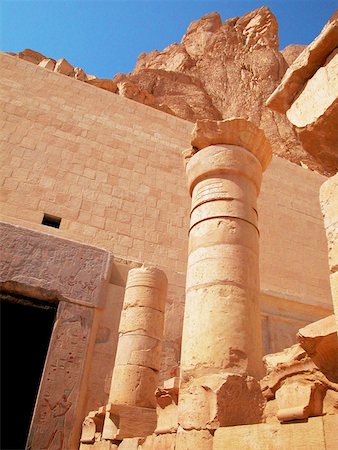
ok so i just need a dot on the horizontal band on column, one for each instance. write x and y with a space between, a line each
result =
216 283
144 279
137 365
217 199
224 207
134 285
223 217
231 186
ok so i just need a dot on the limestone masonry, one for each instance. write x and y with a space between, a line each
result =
180 221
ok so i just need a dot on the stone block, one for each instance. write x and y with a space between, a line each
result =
143 320
79 74
234 131
144 296
167 399
117 422
172 383
102 83
223 300
299 399
139 350
99 445
47 63
162 442
130 444
328 200
214 400
132 421
331 431
320 341
194 440
298 436
135 385
63 66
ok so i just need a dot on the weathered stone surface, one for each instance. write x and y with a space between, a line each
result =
234 131
329 206
330 431
320 341
130 444
134 385
47 63
294 362
117 422
303 379
304 67
300 436
167 399
102 83
221 332
64 67
318 95
137 364
224 70
99 445
299 399
199 33
146 321
308 94
75 271
132 91
194 440
291 52
213 401
161 442
31 56
58 414
79 74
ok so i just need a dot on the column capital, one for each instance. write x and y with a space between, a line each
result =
234 131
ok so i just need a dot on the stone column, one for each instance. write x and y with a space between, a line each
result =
137 363
329 205
221 342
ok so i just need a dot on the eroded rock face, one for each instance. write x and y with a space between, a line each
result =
291 52
224 70
308 95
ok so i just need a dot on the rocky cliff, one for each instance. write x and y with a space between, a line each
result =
219 70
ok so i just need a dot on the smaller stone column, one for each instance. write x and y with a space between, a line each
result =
137 363
131 410
329 205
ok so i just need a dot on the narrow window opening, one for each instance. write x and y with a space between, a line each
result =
51 221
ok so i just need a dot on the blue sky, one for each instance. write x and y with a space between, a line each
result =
105 37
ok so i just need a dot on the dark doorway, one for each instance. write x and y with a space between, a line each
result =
26 327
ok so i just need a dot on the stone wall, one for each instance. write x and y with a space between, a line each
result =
75 275
112 170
